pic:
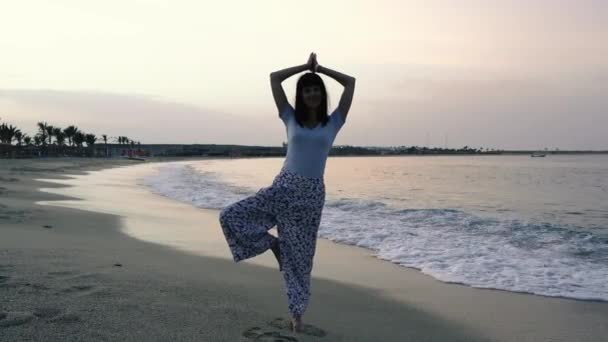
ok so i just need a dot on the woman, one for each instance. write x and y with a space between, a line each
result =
295 200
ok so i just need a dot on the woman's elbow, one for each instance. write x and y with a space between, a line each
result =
350 83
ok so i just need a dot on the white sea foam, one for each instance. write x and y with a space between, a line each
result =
449 245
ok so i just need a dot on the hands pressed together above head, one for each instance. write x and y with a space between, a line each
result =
312 62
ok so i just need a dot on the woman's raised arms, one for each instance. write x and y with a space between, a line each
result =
277 77
349 88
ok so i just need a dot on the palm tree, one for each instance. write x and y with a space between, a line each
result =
69 132
78 138
27 140
38 139
42 132
18 137
3 133
59 137
57 131
50 130
90 139
7 133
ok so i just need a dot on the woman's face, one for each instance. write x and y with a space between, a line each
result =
312 96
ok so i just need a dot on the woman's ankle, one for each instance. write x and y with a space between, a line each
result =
296 323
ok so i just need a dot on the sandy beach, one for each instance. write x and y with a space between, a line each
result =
95 256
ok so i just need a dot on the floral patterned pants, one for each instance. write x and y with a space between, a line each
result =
294 203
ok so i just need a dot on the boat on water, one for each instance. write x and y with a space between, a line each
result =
536 155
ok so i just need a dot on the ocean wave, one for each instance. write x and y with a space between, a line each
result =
450 245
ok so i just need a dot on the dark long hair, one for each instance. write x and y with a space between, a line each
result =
310 79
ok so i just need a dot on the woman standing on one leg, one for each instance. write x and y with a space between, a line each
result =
295 199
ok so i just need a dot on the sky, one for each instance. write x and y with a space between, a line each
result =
509 74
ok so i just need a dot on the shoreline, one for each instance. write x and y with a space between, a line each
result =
356 297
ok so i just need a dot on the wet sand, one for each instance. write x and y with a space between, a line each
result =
95 256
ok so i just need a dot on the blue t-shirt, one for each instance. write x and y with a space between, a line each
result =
307 148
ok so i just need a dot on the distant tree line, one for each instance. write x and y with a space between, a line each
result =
71 141
435 150
273 151
52 140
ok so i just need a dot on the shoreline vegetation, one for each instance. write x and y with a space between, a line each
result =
130 149
53 141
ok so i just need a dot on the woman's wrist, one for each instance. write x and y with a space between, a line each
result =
288 72
312 67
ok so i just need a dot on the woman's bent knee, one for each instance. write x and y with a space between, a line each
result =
224 214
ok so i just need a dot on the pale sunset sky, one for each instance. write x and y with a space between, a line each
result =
509 74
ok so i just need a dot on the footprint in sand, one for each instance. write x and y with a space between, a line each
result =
37 286
79 289
12 318
56 315
7 284
74 276
65 318
85 277
257 334
14 215
61 273
40 287
307 329
47 312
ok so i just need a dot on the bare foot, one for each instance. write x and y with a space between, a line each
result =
296 324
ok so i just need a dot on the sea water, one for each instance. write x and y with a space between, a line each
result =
535 225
